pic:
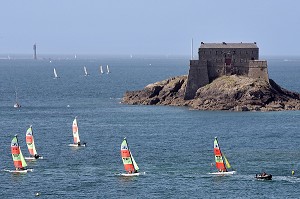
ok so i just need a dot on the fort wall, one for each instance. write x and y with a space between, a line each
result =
219 59
198 77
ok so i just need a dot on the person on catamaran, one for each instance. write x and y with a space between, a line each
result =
78 143
36 156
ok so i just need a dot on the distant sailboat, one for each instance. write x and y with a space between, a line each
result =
107 68
222 163
16 105
31 145
18 158
101 69
76 135
85 71
130 165
55 74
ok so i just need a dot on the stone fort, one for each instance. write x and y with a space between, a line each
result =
219 59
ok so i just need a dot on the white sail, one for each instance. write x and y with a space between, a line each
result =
107 68
85 71
55 74
134 163
75 131
101 70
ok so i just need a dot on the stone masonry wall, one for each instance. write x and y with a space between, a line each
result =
258 69
198 77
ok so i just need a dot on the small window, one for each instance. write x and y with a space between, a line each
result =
246 52
204 52
209 52
216 52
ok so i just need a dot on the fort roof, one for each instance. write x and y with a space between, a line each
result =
228 45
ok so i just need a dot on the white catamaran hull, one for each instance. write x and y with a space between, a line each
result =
130 174
223 173
33 158
76 145
19 171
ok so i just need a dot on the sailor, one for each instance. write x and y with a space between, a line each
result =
293 172
78 143
36 156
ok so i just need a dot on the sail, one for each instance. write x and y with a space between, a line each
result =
85 71
30 141
75 131
128 161
107 69
17 155
228 166
136 167
101 70
218 157
55 74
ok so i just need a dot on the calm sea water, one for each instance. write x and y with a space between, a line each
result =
173 145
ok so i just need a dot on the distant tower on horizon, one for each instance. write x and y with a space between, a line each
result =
34 52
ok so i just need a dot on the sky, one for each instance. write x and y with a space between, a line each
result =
152 27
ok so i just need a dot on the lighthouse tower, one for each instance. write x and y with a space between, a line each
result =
34 51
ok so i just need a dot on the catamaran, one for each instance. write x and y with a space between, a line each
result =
107 68
101 70
130 165
85 71
222 163
31 145
55 74
18 158
76 138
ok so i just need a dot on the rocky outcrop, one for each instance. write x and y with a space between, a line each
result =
236 93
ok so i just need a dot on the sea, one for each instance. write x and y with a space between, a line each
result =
173 146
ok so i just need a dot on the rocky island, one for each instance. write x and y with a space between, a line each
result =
234 93
227 76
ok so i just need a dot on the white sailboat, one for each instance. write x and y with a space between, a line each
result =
107 68
85 71
16 105
55 74
101 69
77 142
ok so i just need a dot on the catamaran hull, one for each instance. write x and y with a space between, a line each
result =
223 173
33 158
76 145
130 174
19 171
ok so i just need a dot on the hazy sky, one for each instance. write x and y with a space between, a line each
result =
162 27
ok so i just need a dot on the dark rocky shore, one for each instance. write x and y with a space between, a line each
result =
234 93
